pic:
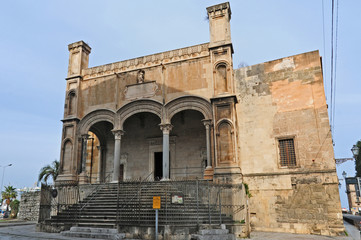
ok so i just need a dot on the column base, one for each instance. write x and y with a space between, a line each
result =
66 179
83 179
208 173
164 179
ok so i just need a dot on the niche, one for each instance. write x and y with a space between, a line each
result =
221 78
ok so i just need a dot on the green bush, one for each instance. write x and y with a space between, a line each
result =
14 208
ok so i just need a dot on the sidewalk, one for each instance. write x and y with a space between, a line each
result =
11 230
290 236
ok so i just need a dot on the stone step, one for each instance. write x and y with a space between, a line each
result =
97 233
94 230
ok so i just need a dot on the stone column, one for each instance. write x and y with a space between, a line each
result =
100 149
117 136
166 128
84 152
208 123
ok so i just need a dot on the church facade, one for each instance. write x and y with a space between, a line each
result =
188 114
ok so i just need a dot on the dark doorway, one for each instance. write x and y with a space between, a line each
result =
158 165
121 172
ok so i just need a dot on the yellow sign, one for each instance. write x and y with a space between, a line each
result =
156 202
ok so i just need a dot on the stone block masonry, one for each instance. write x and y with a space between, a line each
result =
29 206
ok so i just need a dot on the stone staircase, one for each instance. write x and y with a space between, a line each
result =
99 209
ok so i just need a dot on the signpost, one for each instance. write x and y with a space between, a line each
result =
156 206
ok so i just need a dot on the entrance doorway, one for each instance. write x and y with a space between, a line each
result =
158 165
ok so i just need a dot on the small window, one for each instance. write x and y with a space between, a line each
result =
287 152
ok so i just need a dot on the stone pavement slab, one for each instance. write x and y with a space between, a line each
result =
28 232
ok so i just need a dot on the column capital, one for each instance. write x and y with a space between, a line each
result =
166 128
118 134
85 136
207 123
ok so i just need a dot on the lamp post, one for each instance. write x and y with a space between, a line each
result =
2 180
355 152
344 174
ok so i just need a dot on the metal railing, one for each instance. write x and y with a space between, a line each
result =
184 202
91 195
122 208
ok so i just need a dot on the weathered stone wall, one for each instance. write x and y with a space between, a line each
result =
175 73
29 206
285 99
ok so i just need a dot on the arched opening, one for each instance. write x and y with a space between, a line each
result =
99 152
191 155
141 146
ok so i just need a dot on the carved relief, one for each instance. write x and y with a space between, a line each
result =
140 76
144 90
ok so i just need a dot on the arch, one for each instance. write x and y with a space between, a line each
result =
94 117
188 103
222 120
143 105
219 63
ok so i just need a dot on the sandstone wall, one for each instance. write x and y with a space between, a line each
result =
172 74
285 99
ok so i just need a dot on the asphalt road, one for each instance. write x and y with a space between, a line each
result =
355 218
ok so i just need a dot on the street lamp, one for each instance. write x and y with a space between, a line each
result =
355 151
2 180
344 174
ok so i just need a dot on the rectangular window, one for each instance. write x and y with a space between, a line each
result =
287 152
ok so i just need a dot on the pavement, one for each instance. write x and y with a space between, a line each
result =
11 230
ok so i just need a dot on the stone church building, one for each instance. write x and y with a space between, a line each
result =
187 114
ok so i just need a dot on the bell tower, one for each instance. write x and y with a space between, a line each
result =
227 165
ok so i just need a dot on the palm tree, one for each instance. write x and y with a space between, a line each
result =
9 194
49 171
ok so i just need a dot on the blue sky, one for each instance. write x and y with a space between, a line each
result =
33 48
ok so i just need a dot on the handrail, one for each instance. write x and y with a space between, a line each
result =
94 191
140 183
